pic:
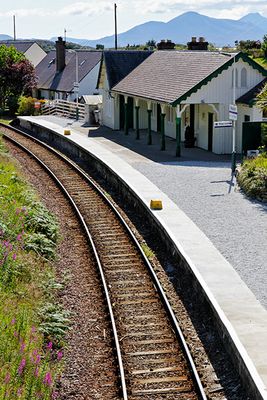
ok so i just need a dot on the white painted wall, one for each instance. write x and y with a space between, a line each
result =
88 84
35 54
220 90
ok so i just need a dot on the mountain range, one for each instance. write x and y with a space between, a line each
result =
220 32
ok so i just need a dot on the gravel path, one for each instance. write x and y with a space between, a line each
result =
236 226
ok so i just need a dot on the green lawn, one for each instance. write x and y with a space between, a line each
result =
262 61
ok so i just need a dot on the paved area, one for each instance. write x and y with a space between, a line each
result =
204 189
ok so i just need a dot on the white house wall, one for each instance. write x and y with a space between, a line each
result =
88 84
108 108
220 90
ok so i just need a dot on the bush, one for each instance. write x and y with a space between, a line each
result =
264 135
253 177
26 106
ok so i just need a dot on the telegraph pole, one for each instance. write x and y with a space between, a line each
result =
14 25
233 167
116 33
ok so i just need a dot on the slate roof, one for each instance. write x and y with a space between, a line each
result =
50 79
250 96
120 63
171 76
21 45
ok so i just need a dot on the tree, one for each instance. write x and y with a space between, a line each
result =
262 99
17 76
99 46
264 45
151 43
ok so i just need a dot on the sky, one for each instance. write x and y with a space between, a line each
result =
93 19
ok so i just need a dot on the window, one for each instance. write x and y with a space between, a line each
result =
236 78
243 77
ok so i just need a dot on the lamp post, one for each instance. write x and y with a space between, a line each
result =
76 83
233 166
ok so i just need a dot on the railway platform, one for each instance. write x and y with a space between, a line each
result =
243 316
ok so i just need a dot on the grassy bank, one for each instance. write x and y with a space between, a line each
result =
253 177
32 325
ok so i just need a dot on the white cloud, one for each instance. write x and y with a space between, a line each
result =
90 8
26 12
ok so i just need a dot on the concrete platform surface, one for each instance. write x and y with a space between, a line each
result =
242 314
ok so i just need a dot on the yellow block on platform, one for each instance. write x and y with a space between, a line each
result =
66 132
156 204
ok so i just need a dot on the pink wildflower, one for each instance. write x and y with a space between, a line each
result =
48 379
19 237
22 347
14 256
36 372
50 346
7 378
59 355
13 321
21 366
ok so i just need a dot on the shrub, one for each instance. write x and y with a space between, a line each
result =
253 177
26 106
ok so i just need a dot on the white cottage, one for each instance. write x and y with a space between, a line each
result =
187 91
32 51
115 65
59 70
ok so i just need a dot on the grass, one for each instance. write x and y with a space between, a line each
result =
253 177
32 325
6 119
146 249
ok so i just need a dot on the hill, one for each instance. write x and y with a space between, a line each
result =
180 29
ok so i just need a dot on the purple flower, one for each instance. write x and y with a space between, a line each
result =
19 237
14 256
21 366
7 378
19 392
36 372
59 355
13 321
22 347
48 379
50 346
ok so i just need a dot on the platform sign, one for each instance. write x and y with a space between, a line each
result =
223 124
233 112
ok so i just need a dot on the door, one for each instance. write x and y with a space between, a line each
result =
210 131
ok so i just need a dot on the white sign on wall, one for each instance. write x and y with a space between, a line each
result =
233 112
223 124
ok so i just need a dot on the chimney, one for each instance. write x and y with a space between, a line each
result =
60 54
198 45
165 45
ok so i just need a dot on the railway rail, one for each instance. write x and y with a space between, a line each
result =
153 359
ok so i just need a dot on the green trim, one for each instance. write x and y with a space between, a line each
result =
137 122
100 71
178 137
149 138
218 71
126 121
162 128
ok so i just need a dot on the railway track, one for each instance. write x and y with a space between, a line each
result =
152 355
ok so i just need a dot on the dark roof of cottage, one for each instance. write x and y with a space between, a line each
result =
50 79
172 76
120 63
250 96
21 45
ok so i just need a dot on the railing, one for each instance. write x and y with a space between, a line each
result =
64 108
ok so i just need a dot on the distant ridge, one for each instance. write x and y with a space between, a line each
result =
5 37
180 29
